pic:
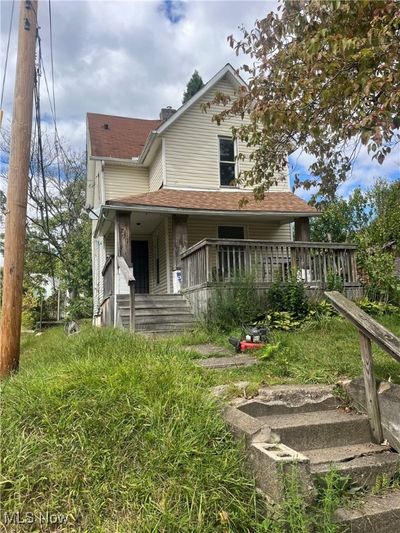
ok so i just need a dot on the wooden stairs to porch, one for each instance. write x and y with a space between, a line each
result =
157 313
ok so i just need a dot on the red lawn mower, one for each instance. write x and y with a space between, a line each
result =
254 339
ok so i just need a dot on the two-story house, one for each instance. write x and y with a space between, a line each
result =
168 221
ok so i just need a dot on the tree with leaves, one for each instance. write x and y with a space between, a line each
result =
58 238
194 85
342 219
324 77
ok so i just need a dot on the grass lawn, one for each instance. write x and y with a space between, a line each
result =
120 434
317 353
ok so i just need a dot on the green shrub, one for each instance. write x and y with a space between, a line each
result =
377 274
377 308
283 320
321 309
80 307
334 282
30 309
237 303
289 297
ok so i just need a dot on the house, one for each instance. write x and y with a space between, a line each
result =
169 223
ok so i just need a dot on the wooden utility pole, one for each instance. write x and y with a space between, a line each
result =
17 189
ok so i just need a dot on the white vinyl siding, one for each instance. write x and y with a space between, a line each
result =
192 147
155 172
120 181
201 227
98 261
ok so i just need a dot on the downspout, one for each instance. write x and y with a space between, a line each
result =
102 188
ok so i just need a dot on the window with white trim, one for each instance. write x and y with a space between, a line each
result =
227 164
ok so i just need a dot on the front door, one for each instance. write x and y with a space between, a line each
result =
140 261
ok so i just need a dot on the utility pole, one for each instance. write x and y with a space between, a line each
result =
17 189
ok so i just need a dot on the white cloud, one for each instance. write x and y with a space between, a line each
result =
126 57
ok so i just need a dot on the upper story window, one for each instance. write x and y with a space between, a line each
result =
227 164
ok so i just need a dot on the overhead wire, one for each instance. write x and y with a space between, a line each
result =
6 60
40 157
56 140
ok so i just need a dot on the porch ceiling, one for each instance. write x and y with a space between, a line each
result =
142 223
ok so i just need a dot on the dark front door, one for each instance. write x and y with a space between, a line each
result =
140 261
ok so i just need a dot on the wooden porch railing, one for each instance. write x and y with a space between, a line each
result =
221 260
369 330
109 284
107 305
130 280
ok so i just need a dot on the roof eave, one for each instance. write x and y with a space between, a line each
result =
213 212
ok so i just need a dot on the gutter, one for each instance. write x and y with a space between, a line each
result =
128 162
191 211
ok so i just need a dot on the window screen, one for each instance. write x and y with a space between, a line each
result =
230 232
226 162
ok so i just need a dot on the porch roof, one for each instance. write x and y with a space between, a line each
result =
239 202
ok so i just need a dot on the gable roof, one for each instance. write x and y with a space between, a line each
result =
226 70
126 138
118 137
273 202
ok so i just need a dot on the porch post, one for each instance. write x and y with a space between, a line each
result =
302 229
124 250
180 243
123 221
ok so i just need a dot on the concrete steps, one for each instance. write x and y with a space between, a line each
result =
162 313
306 427
377 514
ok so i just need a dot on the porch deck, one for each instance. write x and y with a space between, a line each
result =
216 262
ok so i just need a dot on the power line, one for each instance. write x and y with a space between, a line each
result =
7 52
52 61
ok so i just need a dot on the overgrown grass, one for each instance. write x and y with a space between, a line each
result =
120 434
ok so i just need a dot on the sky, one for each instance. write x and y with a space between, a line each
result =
132 58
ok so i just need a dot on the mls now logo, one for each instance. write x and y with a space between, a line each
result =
33 518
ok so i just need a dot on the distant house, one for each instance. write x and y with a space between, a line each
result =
168 213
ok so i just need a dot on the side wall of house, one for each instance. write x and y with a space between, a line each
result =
192 146
98 260
202 227
122 180
155 172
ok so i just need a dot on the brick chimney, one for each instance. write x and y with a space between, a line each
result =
166 113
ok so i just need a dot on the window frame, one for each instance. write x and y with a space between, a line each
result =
243 226
234 162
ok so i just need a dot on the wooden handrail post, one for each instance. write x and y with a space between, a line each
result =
132 324
371 393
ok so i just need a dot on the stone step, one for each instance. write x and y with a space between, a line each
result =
344 453
319 429
377 514
259 408
363 471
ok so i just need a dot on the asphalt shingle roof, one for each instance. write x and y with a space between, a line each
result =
119 137
273 202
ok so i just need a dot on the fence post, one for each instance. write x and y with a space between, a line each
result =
371 393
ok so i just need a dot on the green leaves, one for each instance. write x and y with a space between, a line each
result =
321 74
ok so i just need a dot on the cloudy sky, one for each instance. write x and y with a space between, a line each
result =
132 57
